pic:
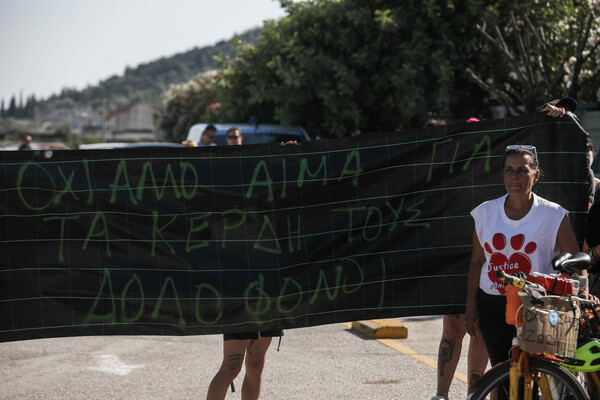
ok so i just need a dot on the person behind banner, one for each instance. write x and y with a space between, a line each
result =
558 109
189 143
26 144
434 122
251 346
590 148
249 349
234 136
591 245
453 333
208 136
519 231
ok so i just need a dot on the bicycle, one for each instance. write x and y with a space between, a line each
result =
537 368
586 363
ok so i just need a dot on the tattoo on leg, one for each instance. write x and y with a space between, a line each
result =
249 349
474 375
446 353
235 360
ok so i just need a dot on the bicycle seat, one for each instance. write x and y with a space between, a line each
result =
567 262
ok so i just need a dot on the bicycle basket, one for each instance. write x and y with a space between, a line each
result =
550 325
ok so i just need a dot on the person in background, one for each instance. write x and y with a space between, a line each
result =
237 347
189 143
558 109
590 148
591 245
434 122
234 136
208 136
26 144
453 332
592 233
250 347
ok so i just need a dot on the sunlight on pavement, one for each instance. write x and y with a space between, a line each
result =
111 364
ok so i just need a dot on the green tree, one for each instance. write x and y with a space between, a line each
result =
337 67
189 103
30 107
547 50
12 108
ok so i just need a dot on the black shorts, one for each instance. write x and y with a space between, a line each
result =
252 335
496 333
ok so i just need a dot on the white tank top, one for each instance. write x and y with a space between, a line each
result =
526 245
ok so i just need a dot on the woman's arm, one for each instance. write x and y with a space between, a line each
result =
477 261
566 240
593 251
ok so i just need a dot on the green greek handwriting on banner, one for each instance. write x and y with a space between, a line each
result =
187 241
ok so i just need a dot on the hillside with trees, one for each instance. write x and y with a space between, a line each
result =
148 81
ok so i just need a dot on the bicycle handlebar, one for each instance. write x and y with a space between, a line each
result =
511 279
585 302
533 289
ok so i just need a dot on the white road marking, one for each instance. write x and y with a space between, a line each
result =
111 364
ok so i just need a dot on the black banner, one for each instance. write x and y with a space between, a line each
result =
180 241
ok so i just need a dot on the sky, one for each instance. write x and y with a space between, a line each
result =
47 45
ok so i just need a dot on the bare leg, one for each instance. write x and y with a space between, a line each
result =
255 362
233 358
477 359
449 352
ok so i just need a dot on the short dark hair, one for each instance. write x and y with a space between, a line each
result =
210 127
590 145
234 129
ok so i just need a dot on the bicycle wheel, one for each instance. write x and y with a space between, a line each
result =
552 382
591 382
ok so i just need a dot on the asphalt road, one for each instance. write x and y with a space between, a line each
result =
323 362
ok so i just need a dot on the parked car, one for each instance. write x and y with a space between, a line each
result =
50 146
263 133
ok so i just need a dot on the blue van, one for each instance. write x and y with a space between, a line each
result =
263 133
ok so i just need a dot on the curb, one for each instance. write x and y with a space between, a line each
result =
381 328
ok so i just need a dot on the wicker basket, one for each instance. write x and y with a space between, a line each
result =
550 325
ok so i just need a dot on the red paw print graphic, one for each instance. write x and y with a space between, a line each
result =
518 261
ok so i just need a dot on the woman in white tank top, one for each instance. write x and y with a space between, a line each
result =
519 231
